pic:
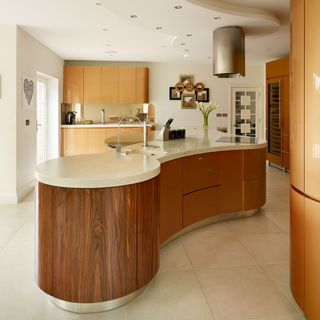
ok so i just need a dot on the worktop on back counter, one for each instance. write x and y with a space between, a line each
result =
135 164
104 125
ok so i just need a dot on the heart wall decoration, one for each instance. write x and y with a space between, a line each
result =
28 92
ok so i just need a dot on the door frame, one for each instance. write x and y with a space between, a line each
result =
259 116
45 81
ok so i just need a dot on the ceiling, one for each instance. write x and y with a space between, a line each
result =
149 30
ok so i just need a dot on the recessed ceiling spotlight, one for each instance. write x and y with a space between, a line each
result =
217 18
98 4
186 50
189 35
209 57
133 16
108 45
104 29
178 7
182 44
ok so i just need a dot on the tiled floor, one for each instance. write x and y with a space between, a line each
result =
235 270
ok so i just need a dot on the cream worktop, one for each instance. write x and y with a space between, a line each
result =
133 166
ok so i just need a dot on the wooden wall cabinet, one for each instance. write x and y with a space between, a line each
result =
92 85
127 85
73 84
278 112
110 85
104 84
142 85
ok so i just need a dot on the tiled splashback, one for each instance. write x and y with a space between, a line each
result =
93 111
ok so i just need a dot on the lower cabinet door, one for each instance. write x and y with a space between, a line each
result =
297 246
170 199
74 141
96 140
312 256
200 205
254 193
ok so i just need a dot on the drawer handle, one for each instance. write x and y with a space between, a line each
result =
200 158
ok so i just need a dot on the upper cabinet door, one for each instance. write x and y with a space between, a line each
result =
142 85
110 85
297 95
73 84
312 99
92 85
127 85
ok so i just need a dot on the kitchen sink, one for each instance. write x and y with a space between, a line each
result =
151 151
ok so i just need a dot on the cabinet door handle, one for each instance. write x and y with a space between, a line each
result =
210 169
200 158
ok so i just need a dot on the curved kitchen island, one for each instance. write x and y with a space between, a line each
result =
101 218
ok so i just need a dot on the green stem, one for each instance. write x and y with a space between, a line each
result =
205 120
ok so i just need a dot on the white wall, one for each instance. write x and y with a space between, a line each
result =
8 74
21 55
33 58
163 76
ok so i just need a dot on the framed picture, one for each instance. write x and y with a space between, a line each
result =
203 96
188 101
185 79
174 94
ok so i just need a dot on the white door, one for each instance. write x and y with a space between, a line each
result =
245 107
41 119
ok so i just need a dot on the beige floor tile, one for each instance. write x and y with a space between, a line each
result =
280 219
280 274
171 295
274 204
270 248
252 225
6 234
217 252
173 257
214 229
243 293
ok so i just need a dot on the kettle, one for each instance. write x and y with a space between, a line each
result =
71 117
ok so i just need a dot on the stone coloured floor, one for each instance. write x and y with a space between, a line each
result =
235 270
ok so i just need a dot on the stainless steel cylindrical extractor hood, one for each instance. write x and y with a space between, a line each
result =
228 52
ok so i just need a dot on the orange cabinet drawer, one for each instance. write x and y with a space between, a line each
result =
201 171
200 205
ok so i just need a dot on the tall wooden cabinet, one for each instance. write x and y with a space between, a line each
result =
278 112
305 156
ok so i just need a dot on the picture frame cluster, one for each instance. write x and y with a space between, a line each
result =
188 92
